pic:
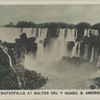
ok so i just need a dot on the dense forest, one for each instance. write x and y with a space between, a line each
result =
30 24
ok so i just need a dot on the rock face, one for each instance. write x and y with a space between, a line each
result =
95 83
13 75
7 74
28 43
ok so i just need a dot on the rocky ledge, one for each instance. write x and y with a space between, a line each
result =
17 77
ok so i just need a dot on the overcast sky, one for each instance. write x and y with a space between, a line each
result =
49 13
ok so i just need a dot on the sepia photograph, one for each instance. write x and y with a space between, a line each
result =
49 47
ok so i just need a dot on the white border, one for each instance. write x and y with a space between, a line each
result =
49 2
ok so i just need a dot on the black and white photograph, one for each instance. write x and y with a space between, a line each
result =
49 47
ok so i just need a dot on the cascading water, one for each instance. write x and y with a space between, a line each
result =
59 45
10 63
12 33
40 44
33 32
57 51
85 52
74 50
70 35
28 31
98 62
78 50
92 55
85 32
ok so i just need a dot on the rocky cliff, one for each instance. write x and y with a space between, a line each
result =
13 75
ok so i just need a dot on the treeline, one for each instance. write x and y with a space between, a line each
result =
29 24
26 24
22 24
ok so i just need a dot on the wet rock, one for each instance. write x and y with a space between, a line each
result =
70 46
8 77
95 83
33 80
74 60
28 43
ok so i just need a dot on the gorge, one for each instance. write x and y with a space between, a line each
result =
56 52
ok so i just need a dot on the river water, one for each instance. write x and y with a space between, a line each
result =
61 75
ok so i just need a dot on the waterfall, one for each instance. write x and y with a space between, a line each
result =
40 41
74 50
12 33
92 55
61 44
33 32
70 35
85 52
10 63
96 32
85 32
53 53
21 30
73 34
58 48
42 33
78 50
40 51
28 32
88 32
98 62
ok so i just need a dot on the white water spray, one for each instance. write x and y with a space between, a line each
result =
92 55
98 62
40 44
74 50
85 52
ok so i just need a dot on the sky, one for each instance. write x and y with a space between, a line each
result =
50 13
